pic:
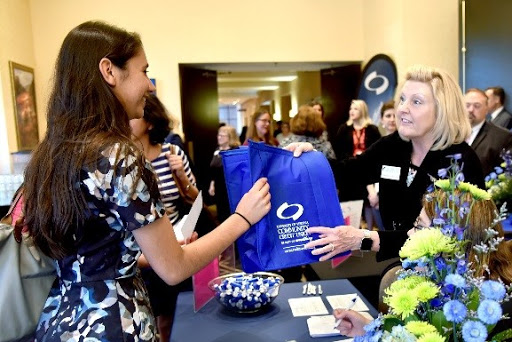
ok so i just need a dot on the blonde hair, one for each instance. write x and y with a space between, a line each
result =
363 108
307 122
234 141
452 124
481 217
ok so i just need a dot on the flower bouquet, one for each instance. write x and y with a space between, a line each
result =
499 182
445 291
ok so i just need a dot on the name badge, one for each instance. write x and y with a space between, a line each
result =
390 172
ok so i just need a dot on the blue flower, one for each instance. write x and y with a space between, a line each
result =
461 266
440 263
498 170
454 311
455 280
492 289
459 177
373 325
442 173
406 263
474 331
489 311
448 289
436 303
493 175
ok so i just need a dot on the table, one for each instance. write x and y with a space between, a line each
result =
215 323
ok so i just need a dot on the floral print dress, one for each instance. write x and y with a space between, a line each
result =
98 295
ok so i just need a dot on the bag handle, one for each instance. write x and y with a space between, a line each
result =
15 203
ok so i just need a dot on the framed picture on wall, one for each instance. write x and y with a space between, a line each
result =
25 112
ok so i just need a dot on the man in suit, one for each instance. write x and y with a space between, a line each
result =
487 139
497 113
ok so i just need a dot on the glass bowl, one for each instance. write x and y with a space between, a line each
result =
246 292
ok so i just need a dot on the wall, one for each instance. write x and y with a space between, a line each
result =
17 46
413 32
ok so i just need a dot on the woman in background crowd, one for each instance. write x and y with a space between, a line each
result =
260 129
285 132
308 126
92 201
352 139
387 118
227 139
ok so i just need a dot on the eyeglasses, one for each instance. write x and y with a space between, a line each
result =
263 120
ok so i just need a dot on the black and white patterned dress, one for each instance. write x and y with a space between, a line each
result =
99 295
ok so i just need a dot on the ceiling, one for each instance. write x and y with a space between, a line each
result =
238 82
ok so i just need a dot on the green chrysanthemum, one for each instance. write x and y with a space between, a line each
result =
427 243
432 337
420 328
426 291
443 184
403 303
408 283
475 191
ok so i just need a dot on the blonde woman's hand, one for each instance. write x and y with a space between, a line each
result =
333 241
256 202
298 147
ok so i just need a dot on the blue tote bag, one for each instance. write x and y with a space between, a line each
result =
303 195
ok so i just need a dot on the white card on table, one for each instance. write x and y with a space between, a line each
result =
307 306
344 302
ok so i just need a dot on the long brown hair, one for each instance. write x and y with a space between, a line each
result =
252 132
84 117
481 217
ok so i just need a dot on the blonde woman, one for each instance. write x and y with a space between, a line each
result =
227 140
432 125
352 139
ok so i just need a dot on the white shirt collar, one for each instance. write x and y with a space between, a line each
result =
474 132
496 112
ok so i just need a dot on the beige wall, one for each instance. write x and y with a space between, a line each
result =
197 31
413 32
17 46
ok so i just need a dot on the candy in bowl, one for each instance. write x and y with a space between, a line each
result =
246 292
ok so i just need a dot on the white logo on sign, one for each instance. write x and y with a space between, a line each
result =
379 90
284 206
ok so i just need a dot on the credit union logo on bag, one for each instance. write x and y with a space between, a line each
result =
283 207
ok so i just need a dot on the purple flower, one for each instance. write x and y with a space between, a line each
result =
454 311
442 173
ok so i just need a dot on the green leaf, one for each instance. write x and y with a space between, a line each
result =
503 336
390 322
439 321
